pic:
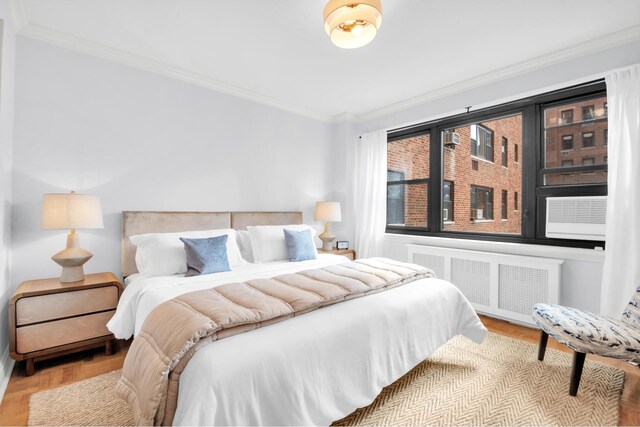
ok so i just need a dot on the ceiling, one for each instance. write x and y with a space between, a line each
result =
276 51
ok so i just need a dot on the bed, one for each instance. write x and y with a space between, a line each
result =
308 370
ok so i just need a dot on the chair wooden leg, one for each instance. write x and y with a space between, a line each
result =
542 347
576 372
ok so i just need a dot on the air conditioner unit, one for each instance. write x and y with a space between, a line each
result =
451 139
580 218
477 214
445 214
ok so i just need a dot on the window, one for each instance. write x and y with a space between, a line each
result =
557 142
605 135
407 182
481 142
606 109
606 158
588 140
481 203
505 151
481 175
588 112
555 139
504 204
566 117
447 201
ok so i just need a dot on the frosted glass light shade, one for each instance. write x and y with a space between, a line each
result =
70 212
328 212
352 23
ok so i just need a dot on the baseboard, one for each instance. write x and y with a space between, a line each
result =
6 367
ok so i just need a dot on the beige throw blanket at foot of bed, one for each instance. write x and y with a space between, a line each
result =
178 328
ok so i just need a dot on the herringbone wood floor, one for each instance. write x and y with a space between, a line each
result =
14 409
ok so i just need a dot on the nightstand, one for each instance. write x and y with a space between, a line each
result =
349 253
48 318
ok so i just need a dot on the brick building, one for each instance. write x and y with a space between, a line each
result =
576 135
481 186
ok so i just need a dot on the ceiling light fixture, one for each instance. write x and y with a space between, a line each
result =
352 23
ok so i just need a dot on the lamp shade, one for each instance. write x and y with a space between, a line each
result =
328 211
70 211
352 23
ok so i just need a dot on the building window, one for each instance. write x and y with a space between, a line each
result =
424 204
504 204
588 140
605 135
588 112
447 201
407 182
606 109
567 142
481 203
566 117
606 158
481 142
505 151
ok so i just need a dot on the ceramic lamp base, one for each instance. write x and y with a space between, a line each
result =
327 237
72 259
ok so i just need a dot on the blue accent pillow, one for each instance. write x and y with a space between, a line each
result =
300 245
206 256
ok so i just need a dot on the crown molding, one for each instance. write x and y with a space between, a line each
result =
79 44
345 117
599 44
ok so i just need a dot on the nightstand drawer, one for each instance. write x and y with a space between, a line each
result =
60 332
65 304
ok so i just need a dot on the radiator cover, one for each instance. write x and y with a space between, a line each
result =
500 285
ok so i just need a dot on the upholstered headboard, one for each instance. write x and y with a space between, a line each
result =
167 222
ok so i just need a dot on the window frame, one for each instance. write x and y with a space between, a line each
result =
533 193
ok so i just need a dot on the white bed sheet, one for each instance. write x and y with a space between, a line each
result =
311 369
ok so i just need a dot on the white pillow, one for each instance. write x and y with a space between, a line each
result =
244 243
163 254
268 243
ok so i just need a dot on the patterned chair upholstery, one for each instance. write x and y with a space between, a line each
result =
585 332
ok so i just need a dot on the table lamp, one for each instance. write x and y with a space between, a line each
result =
328 212
71 212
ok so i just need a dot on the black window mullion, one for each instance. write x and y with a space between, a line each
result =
434 194
530 162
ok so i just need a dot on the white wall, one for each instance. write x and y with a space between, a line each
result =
7 61
141 141
582 271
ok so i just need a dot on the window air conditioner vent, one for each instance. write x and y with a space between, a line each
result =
581 218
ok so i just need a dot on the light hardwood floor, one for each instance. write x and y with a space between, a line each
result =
14 409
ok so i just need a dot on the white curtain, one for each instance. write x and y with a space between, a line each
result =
370 193
621 275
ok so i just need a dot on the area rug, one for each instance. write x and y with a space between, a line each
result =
497 383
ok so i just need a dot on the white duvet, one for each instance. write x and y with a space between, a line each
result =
312 369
